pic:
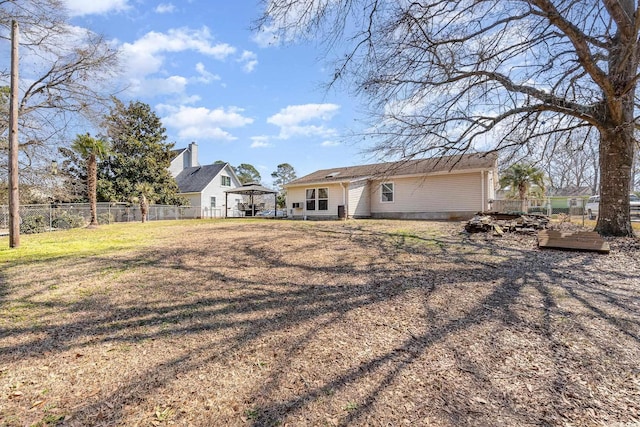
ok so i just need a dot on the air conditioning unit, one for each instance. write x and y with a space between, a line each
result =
296 205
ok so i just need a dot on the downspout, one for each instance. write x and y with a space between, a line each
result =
482 209
344 200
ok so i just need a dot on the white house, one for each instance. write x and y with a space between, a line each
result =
184 158
204 186
453 187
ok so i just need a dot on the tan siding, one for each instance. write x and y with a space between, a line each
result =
298 194
359 200
295 195
439 193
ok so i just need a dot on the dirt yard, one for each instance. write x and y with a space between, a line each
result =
358 323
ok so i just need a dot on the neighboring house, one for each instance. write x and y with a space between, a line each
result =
564 198
184 158
204 186
454 187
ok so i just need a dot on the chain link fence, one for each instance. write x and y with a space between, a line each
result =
62 216
573 207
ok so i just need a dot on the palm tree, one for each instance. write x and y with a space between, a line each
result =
91 149
523 180
146 194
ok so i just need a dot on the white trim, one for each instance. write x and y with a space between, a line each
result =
317 199
482 203
393 191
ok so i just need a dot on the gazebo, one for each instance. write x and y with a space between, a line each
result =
251 189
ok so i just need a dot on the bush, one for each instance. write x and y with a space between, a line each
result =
106 218
32 224
65 220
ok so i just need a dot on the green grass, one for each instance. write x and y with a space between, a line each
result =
86 242
592 224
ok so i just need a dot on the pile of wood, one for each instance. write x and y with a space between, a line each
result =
588 241
484 222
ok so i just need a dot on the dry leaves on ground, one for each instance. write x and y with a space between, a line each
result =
328 323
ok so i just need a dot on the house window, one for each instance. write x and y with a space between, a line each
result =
323 199
213 202
387 192
226 181
311 199
317 197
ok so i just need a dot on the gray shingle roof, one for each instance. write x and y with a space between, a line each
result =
406 167
572 191
175 153
195 179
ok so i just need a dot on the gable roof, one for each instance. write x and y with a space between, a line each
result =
196 179
401 168
572 191
175 153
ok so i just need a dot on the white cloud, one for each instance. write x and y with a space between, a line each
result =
260 142
147 55
165 8
190 99
203 123
292 120
84 7
249 60
330 143
205 76
157 86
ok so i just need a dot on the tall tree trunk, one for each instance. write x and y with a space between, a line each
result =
617 142
524 205
92 172
616 161
144 207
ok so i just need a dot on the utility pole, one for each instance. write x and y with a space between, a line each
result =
14 195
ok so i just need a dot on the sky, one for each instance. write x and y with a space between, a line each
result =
214 81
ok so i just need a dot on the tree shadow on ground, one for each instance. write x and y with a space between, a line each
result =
495 303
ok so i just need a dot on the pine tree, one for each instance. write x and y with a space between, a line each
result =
139 155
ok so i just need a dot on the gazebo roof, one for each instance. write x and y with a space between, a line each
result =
251 188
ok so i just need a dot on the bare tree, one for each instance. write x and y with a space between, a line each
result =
572 164
66 78
450 76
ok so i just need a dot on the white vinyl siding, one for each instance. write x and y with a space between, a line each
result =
436 193
193 199
386 192
177 165
359 201
216 190
296 195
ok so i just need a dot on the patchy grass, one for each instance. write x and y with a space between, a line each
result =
267 323
85 242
